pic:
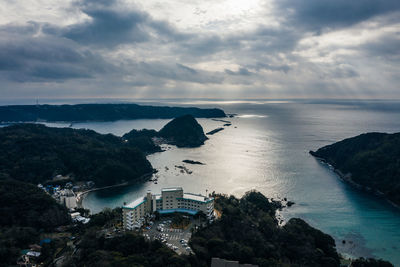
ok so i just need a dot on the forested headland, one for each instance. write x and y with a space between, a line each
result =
370 161
35 153
100 112
247 232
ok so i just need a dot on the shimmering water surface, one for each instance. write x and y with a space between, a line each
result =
266 149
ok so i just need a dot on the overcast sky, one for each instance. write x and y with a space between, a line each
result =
200 48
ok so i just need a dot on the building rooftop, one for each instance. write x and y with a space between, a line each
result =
168 189
135 203
217 262
195 197
75 214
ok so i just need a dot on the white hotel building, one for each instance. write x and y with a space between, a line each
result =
169 201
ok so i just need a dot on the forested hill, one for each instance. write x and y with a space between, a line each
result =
371 160
99 112
36 153
183 131
26 205
26 211
247 232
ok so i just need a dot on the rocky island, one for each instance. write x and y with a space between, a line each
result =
369 161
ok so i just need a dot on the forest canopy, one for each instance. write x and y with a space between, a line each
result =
371 160
35 153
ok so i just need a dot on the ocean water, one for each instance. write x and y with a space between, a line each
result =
266 148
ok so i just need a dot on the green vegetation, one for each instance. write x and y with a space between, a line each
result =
142 140
13 240
36 153
25 211
183 131
27 205
249 233
97 248
371 160
129 249
107 218
361 262
99 112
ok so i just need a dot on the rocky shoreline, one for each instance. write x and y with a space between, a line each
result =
347 179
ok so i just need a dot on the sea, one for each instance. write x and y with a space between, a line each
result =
266 148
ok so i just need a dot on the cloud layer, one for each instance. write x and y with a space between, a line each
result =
229 49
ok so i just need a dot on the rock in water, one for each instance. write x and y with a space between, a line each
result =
193 162
215 131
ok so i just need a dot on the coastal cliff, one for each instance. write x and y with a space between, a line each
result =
369 161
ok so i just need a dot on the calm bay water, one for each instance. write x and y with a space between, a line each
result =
266 149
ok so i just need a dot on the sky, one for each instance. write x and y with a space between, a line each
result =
226 49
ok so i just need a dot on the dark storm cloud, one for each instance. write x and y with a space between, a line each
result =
177 72
316 15
110 25
387 47
115 46
271 67
108 28
281 39
204 44
34 52
31 27
257 42
241 71
186 68
344 71
24 57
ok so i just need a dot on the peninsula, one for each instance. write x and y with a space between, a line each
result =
369 161
35 153
100 112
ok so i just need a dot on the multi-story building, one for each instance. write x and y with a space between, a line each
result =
169 201
68 198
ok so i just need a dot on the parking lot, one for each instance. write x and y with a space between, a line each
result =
176 239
